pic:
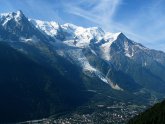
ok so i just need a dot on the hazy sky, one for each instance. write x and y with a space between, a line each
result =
141 20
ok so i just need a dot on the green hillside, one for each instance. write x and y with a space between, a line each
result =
154 115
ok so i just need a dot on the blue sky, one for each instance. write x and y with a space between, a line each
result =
141 20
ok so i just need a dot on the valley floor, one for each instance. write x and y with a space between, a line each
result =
117 113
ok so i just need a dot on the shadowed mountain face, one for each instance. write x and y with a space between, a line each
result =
154 115
29 90
48 68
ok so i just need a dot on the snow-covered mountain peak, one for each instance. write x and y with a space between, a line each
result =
19 14
111 36
50 28
69 26
70 31
80 36
16 16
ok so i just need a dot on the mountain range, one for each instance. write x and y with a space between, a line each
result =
48 68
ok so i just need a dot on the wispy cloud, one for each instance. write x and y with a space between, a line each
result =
100 12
